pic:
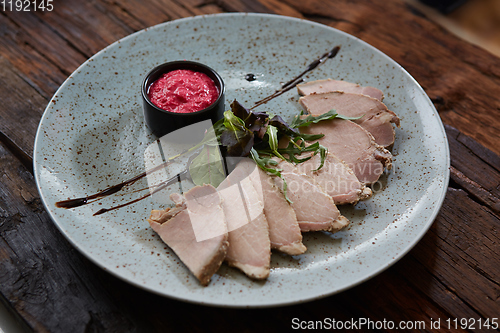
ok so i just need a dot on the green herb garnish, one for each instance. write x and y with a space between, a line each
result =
257 135
300 121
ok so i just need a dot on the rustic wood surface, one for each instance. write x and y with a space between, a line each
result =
453 272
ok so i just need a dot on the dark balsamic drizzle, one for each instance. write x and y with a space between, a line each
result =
177 178
77 202
73 203
298 79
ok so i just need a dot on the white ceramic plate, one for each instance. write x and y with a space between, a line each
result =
92 135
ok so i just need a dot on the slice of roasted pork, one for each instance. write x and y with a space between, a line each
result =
249 244
353 145
195 230
284 231
329 85
315 210
335 178
375 117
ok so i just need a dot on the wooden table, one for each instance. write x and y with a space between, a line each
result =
453 272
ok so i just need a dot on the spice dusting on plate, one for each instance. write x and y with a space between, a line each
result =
183 91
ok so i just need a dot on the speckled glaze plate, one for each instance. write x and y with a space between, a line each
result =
92 135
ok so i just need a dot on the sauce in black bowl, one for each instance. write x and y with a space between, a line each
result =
161 121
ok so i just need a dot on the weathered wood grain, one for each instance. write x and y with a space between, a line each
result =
32 30
117 10
475 168
475 190
420 276
242 6
207 9
84 26
146 15
31 65
466 257
20 110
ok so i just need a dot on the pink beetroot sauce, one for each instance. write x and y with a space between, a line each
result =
183 91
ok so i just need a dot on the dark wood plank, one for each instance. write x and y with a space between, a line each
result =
207 9
461 251
242 6
145 15
475 168
31 65
20 110
49 284
195 3
31 30
117 10
174 9
474 189
390 297
420 276
260 6
279 7
84 26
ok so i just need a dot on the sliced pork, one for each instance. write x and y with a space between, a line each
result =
195 230
329 85
284 231
375 117
353 145
249 244
335 178
315 210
